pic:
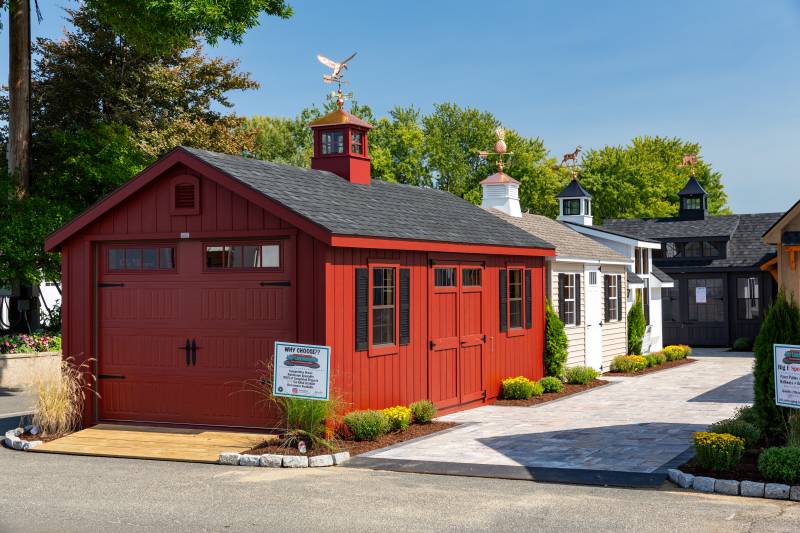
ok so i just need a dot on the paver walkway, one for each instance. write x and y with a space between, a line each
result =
636 425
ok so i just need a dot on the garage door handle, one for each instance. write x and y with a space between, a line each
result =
186 348
194 352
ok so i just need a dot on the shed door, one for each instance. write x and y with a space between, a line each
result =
456 334
178 344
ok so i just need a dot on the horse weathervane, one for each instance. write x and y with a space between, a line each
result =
689 160
337 72
500 149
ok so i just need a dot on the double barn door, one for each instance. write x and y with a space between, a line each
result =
457 333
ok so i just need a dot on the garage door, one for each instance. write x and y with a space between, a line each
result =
183 326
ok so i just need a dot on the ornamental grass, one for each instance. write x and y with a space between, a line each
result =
60 397
718 451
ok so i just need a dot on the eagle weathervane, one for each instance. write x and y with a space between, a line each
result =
499 149
337 72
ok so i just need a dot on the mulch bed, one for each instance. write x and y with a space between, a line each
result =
357 447
665 366
746 470
550 396
29 437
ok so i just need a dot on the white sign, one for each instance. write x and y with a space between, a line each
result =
787 375
700 295
301 371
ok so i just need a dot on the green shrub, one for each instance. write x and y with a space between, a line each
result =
518 388
581 375
537 389
629 363
423 411
677 351
366 425
746 414
660 358
780 464
718 451
781 326
738 428
637 325
743 344
651 360
551 384
555 343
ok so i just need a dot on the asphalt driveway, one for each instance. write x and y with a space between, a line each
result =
627 433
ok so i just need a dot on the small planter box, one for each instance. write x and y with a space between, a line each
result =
20 369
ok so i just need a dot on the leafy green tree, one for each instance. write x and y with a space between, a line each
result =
282 140
532 166
781 326
453 136
643 179
637 325
397 148
162 25
555 343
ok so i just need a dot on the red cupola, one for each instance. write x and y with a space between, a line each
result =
341 146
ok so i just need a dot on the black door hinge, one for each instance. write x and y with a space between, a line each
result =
276 283
103 285
109 376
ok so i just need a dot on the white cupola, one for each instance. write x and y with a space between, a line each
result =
575 204
500 191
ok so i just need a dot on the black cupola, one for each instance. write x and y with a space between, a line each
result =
694 201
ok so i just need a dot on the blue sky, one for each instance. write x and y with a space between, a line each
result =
721 73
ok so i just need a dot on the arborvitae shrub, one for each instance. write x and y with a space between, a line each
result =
636 327
555 344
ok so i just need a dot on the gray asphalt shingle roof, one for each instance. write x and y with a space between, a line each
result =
661 275
568 242
633 279
382 209
743 233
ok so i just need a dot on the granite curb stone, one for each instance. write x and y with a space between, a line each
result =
229 458
794 494
276 461
14 442
727 486
752 489
340 458
295 461
703 484
249 460
777 491
320 460
271 460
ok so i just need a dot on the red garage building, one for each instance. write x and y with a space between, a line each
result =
180 282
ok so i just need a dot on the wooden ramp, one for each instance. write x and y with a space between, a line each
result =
144 442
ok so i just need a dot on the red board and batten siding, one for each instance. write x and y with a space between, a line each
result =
323 282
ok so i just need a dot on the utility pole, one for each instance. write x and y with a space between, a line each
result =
19 92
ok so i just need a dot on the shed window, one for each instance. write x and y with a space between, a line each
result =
471 277
747 298
572 207
693 202
136 258
357 142
515 295
670 303
644 296
444 277
612 298
642 262
332 142
568 299
383 306
243 256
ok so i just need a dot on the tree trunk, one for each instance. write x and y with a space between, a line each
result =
19 92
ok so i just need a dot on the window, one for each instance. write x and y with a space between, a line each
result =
141 258
642 261
332 142
571 207
356 142
693 249
644 295
693 202
568 311
592 278
383 306
471 277
706 300
612 298
444 277
747 299
587 207
243 256
515 295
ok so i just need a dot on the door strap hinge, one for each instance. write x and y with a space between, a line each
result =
109 376
103 285
276 283
483 396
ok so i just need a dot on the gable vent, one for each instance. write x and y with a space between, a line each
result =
184 196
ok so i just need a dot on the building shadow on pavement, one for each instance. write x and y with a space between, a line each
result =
739 390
